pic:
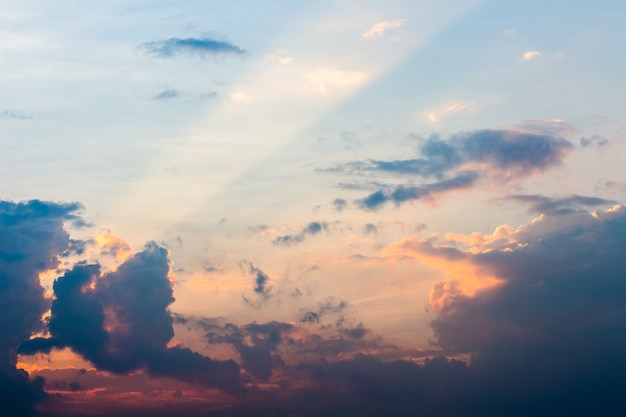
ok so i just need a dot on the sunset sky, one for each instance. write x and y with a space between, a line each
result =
312 208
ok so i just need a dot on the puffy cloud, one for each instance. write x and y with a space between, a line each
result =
203 47
120 322
530 55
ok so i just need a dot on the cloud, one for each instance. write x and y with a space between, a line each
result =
403 193
324 79
549 337
595 140
461 162
15 114
209 95
261 284
280 56
120 322
329 306
530 55
32 240
556 206
256 344
240 97
378 29
339 204
202 47
552 127
449 107
509 32
310 229
167 94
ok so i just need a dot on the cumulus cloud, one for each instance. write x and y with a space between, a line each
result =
202 47
462 161
120 322
378 29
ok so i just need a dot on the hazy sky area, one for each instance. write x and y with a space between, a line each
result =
312 208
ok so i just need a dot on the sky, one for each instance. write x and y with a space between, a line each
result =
313 208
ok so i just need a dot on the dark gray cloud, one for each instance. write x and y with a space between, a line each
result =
310 229
460 161
559 205
203 47
32 239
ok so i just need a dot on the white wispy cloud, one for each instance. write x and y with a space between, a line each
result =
378 29
448 107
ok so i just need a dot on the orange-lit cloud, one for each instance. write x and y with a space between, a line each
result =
113 245
461 275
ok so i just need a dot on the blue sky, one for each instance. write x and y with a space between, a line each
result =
353 174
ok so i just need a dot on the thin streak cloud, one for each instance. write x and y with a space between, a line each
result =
202 47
